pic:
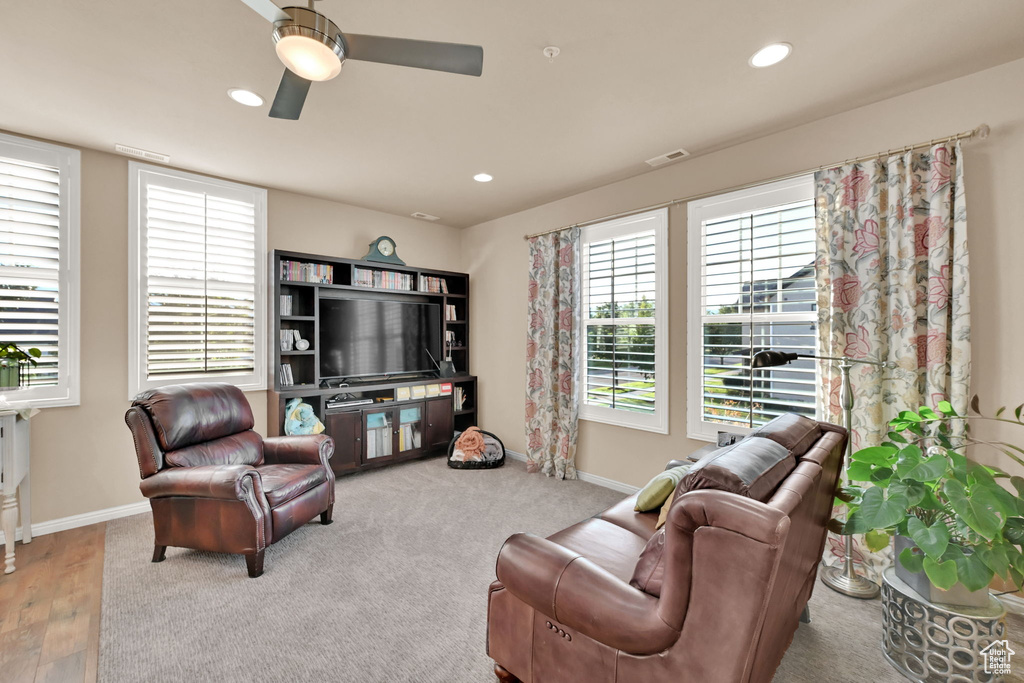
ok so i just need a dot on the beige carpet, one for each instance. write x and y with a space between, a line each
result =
394 590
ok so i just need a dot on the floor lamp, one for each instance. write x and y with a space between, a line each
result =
843 578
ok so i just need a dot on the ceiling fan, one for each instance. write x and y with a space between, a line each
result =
313 48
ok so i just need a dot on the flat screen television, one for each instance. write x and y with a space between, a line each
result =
373 337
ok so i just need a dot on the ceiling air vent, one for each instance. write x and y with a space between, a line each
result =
143 154
674 155
425 216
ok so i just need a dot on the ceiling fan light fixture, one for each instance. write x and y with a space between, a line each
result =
309 44
483 177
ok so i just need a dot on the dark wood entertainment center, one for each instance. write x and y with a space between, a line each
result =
400 418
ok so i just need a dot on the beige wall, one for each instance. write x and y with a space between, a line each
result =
496 255
82 457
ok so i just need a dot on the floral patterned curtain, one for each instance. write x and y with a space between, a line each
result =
552 341
892 286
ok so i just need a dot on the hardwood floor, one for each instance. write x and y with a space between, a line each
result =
50 608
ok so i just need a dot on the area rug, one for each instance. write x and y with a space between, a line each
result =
394 590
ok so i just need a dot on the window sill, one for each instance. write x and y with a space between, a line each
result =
619 418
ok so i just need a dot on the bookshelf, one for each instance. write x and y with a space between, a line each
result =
298 282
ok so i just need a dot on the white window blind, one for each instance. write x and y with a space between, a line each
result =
624 366
38 265
201 299
755 290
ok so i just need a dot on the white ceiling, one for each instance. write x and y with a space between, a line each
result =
634 80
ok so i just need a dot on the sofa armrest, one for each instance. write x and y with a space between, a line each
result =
223 482
723 510
313 449
577 593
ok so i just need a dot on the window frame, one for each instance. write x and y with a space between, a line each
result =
623 227
749 200
68 161
139 174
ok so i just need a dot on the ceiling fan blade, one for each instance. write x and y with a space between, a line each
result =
291 95
422 54
267 10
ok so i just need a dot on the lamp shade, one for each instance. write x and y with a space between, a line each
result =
769 359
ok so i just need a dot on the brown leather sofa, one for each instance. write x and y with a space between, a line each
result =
214 484
735 578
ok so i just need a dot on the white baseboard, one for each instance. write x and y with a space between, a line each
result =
587 477
1013 603
84 519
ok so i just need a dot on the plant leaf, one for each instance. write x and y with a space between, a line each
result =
897 437
941 574
877 540
994 557
913 490
854 524
879 512
909 458
975 404
946 408
914 562
929 469
859 471
933 540
927 413
1013 530
971 571
977 510
1016 411
909 416
881 475
875 455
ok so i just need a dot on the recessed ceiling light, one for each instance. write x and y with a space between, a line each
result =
483 177
771 54
246 97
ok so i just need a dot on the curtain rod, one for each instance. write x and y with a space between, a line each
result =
981 132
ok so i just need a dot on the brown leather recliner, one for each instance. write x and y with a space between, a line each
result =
216 485
735 577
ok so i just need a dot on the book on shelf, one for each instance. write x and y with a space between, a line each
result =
286 304
419 391
446 389
449 312
437 285
297 271
287 379
459 398
382 279
288 340
433 390
402 394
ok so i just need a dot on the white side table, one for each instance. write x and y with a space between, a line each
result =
14 450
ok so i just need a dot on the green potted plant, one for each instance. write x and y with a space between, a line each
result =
955 526
12 357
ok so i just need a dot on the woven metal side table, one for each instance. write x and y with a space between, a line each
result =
929 642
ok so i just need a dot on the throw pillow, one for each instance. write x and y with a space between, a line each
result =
663 517
658 489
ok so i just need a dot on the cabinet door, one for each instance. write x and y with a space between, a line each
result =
380 436
346 428
409 430
439 423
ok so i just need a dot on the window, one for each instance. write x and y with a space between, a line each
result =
625 364
198 265
751 287
39 272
